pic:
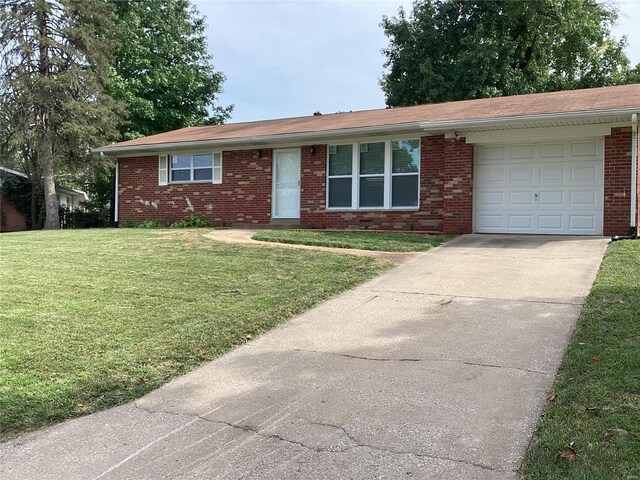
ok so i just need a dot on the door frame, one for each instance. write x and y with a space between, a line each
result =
298 151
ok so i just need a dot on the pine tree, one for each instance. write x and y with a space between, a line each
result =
56 57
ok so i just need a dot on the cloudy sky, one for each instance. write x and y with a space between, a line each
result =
290 58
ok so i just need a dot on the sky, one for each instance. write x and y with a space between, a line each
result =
293 58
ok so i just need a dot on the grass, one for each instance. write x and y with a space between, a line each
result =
384 242
95 318
597 408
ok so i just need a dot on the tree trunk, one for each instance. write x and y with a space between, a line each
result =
52 221
34 204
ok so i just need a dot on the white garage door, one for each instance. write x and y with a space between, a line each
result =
542 188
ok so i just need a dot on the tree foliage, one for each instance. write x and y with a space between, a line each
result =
55 63
460 49
162 70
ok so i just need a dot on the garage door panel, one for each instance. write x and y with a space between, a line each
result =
552 150
521 174
583 173
521 222
582 198
584 149
582 222
522 151
493 175
551 174
547 188
491 222
518 199
494 153
490 199
550 223
551 198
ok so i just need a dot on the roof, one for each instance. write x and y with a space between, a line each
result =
13 172
59 188
590 101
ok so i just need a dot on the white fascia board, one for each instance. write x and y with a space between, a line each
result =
264 140
14 172
539 134
496 121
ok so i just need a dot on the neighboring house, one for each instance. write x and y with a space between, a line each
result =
551 163
11 218
70 197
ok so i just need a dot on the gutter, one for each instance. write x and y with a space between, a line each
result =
262 139
378 129
115 200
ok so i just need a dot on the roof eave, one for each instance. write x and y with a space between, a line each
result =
543 117
431 127
263 139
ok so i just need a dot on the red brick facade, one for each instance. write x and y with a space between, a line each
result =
11 220
244 197
617 182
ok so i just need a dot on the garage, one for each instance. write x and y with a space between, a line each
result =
539 188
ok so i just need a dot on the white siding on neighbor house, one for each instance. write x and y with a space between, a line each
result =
540 188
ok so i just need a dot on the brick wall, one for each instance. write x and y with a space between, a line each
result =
446 190
429 217
11 220
617 182
243 197
245 194
458 187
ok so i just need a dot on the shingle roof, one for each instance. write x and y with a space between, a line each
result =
564 102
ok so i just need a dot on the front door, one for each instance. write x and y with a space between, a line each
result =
286 183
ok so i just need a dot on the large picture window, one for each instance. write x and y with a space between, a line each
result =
374 175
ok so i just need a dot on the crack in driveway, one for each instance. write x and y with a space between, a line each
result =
418 360
313 448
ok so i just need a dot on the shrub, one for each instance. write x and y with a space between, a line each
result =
77 218
143 224
193 221
151 224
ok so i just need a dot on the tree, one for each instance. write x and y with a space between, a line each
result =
55 67
457 49
162 70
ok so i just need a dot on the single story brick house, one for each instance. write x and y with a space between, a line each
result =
550 163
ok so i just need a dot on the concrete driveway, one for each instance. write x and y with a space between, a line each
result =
436 369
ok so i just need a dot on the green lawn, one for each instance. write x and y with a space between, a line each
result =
598 390
95 318
385 242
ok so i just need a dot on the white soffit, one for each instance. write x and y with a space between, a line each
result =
538 134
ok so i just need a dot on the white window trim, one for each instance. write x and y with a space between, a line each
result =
191 168
388 175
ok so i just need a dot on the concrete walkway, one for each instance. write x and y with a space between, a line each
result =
437 369
244 236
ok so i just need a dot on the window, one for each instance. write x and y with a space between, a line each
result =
192 168
199 167
374 175
405 176
340 176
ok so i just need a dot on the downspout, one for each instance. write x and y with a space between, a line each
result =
115 202
634 174
634 183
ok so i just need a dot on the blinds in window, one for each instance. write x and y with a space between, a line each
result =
163 170
217 167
